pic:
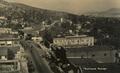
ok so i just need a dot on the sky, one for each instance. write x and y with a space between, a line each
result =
72 6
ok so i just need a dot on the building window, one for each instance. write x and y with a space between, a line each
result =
105 54
9 44
2 44
82 56
15 42
93 55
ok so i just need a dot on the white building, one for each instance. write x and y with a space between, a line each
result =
37 39
74 41
7 31
8 40
3 18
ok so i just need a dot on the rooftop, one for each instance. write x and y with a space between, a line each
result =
91 48
8 37
79 61
76 36
2 18
9 66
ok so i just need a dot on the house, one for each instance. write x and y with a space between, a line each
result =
9 66
37 39
8 40
7 31
9 52
12 60
12 57
3 18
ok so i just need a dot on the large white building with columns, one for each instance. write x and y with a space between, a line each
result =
74 41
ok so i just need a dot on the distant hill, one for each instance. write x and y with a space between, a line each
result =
113 12
32 15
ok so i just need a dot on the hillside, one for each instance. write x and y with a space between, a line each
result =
28 14
113 12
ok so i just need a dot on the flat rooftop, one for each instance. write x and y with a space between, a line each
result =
91 48
8 37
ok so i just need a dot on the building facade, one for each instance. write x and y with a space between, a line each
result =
37 39
100 54
7 31
9 66
12 55
8 40
74 41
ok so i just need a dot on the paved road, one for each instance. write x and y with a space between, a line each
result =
32 60
36 52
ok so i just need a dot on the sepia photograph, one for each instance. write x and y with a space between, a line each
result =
59 36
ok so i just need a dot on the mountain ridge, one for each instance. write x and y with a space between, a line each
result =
112 12
29 14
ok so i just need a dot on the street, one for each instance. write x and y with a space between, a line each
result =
36 53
